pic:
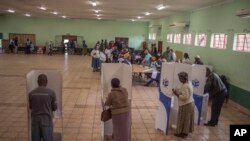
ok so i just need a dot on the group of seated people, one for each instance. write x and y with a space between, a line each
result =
152 59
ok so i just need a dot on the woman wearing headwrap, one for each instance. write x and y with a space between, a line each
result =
185 120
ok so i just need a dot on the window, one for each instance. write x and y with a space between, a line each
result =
219 40
187 39
200 39
242 42
177 38
152 36
170 38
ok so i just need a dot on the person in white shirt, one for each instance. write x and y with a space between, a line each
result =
185 119
102 58
95 53
186 59
108 53
173 56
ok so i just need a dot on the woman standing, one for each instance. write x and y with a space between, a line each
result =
185 120
95 53
120 110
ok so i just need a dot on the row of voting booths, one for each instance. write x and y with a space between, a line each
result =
55 80
109 71
166 116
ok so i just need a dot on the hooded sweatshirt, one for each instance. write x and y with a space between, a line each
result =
118 101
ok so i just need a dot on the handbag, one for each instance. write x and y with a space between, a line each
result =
106 115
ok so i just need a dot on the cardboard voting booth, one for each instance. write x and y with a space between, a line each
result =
55 83
198 78
109 71
167 113
166 84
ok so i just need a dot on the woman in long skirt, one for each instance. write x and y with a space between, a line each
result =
120 110
185 120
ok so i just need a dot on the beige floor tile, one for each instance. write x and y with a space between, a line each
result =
81 103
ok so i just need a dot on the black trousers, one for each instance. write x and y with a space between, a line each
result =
217 103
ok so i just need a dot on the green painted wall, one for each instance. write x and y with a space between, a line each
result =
216 19
92 30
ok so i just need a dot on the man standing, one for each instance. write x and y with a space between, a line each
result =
42 102
217 93
167 54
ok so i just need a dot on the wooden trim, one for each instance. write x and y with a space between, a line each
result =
241 108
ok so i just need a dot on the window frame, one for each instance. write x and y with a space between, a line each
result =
177 36
219 41
170 38
188 40
197 35
245 43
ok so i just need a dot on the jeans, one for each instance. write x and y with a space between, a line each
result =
42 129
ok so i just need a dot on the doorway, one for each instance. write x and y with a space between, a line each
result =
68 41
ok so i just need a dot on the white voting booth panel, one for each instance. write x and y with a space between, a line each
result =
55 83
198 77
166 84
168 108
109 71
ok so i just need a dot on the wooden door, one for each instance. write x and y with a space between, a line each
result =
160 46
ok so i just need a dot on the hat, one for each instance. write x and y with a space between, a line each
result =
198 56
183 75
126 55
153 58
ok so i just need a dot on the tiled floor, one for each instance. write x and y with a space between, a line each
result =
81 103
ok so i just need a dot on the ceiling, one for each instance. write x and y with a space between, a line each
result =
109 9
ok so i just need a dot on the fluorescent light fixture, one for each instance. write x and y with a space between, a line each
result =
64 16
147 13
42 8
161 7
98 15
132 20
94 3
138 17
99 18
27 15
11 11
55 13
97 11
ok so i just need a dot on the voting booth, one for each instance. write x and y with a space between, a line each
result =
166 84
168 108
109 71
55 83
198 78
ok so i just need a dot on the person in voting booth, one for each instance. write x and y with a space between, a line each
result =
217 94
42 103
185 119
120 110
